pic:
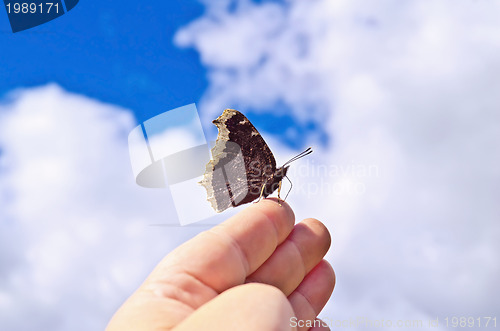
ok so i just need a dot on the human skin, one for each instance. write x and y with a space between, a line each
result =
255 271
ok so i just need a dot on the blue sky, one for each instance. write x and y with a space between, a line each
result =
125 55
117 52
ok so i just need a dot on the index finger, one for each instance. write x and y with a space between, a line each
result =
225 255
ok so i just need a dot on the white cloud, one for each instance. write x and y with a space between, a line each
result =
410 88
75 234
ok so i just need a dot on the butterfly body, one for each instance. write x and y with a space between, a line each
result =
272 182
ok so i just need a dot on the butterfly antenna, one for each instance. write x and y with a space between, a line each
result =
296 157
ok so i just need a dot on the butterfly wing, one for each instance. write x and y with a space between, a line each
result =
241 163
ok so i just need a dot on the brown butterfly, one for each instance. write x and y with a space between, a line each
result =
243 167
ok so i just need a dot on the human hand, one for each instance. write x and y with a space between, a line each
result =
255 271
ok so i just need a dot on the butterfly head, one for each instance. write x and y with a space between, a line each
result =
280 173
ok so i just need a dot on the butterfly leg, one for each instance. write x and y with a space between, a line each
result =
279 191
261 192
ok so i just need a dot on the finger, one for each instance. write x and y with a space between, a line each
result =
304 248
206 265
259 307
224 256
313 293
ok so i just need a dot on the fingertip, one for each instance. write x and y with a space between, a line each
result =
279 205
321 232
279 213
330 278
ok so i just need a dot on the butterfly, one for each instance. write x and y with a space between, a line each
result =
243 167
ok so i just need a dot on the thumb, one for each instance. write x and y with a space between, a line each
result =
252 306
